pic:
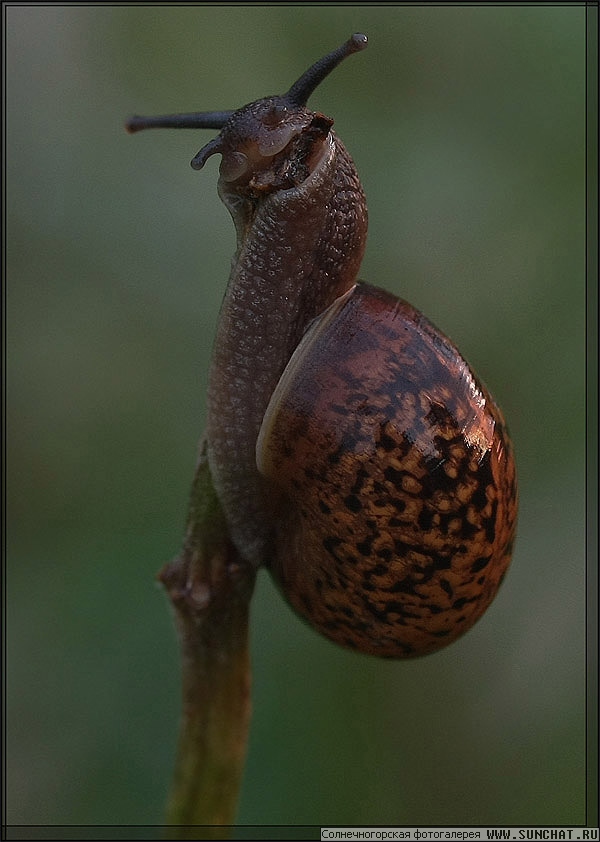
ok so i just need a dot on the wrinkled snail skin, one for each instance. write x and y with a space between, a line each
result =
299 248
354 452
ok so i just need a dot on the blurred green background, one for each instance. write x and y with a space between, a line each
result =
467 126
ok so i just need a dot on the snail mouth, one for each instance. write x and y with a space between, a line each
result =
303 160
284 178
252 174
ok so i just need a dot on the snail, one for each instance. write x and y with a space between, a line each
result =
354 452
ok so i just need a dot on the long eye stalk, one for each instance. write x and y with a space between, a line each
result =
196 120
297 96
301 90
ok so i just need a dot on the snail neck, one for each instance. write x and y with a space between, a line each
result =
298 249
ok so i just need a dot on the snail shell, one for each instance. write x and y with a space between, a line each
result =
353 451
396 476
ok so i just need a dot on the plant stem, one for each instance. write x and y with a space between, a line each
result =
210 589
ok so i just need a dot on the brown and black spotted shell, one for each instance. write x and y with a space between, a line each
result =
394 478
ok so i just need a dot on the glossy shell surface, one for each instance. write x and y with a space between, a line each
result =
393 479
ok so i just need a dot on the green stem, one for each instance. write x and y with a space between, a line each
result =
210 589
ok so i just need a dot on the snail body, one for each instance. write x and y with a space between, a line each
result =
353 451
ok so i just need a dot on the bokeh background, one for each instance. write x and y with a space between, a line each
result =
467 125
